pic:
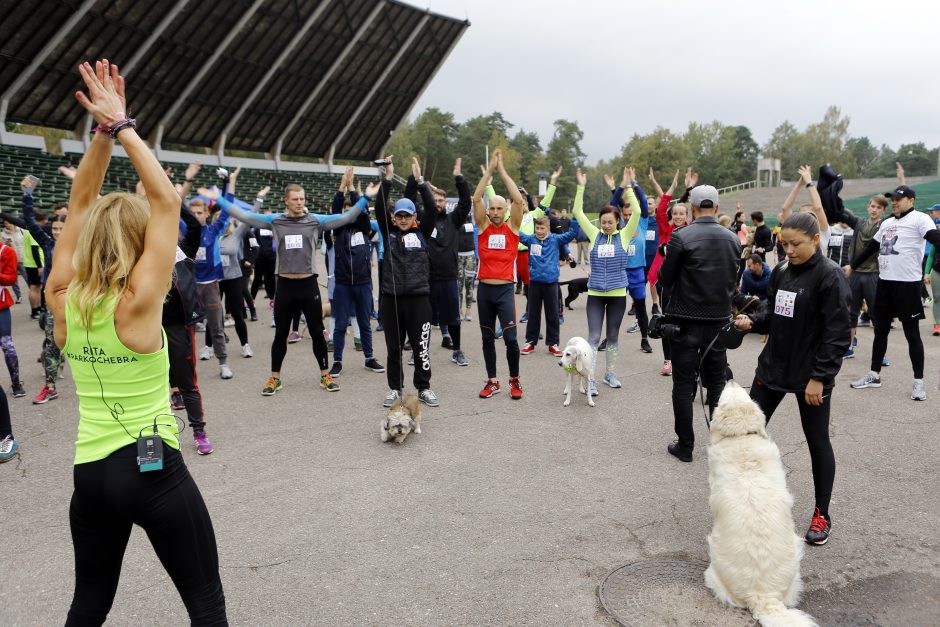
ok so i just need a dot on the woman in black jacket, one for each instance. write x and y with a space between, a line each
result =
809 331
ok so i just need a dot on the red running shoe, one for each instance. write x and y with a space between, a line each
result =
489 389
554 350
515 388
528 349
819 528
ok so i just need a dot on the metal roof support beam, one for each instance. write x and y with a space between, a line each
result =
378 83
360 31
51 44
424 88
157 136
288 49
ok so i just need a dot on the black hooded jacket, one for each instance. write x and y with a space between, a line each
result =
808 322
444 239
829 185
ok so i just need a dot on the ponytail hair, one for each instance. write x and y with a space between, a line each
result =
804 222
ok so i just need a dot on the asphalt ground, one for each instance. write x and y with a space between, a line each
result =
501 512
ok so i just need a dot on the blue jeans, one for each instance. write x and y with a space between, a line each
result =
350 300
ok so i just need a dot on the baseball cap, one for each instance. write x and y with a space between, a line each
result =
404 206
901 191
935 208
704 194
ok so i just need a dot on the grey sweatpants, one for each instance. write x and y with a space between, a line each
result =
211 300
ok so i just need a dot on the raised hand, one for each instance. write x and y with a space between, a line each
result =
675 182
899 169
105 100
415 168
264 191
691 178
629 175
359 187
192 170
457 164
67 171
390 168
555 176
211 194
494 161
235 173
609 180
806 174
29 183
372 189
499 160
580 177
652 177
347 181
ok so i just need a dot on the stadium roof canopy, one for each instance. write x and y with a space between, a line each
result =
314 78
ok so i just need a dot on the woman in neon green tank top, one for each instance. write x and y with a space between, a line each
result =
108 281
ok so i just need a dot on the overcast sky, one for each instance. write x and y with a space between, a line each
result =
620 67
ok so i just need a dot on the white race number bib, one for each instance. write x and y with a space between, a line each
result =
357 239
650 236
468 227
605 251
536 250
201 253
292 242
496 242
785 305
411 241
631 250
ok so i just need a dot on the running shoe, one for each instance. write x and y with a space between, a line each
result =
428 397
936 330
329 345
864 321
447 342
919 392
225 372
524 318
602 346
8 448
870 380
337 369
379 328
411 359
489 389
229 322
632 311
849 354
499 332
407 345
17 389
554 350
328 384
374 365
676 451
592 388
459 358
273 324
254 316
391 398
293 337
205 354
515 388
645 346
357 344
528 349
468 318
819 529
200 327
666 369
246 352
633 328
885 361
855 342
45 395
611 379
203 445
176 400
272 386
655 309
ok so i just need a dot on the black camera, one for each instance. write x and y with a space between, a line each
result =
660 329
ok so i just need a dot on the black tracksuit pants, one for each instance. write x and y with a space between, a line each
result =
411 316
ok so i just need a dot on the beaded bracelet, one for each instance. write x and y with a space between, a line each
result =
112 131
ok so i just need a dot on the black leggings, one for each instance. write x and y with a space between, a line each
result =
915 345
110 497
296 296
642 317
235 306
816 429
181 341
498 301
6 428
264 273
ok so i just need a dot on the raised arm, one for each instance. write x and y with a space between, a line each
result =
189 176
518 202
583 223
806 175
479 207
899 169
627 233
190 243
29 217
791 198
464 200
348 217
655 184
381 201
546 202
260 220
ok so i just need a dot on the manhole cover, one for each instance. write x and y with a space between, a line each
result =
665 592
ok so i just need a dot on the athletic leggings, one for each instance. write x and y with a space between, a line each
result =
614 308
51 355
6 428
181 347
110 497
6 344
235 306
466 278
264 273
815 422
246 293
642 317
935 292
498 301
296 296
915 345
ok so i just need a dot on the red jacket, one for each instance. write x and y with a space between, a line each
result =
8 263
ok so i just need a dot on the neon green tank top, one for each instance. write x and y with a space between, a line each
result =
114 383
28 243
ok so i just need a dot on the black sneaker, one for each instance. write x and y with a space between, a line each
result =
337 369
17 389
676 451
819 528
447 342
602 346
254 316
373 365
645 346
632 311
407 345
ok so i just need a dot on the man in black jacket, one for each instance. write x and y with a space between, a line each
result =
442 248
699 271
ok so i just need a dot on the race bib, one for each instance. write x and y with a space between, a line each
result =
292 242
631 250
650 236
605 251
535 249
201 254
265 232
468 227
496 242
434 233
411 241
180 255
226 261
785 304
357 239
252 242
835 241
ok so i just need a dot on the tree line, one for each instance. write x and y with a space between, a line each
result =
723 154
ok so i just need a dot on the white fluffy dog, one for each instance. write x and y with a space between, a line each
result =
576 360
754 549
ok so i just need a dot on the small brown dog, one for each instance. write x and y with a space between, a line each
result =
402 419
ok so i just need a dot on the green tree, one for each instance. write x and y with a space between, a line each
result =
564 150
432 137
530 151
785 144
863 154
917 159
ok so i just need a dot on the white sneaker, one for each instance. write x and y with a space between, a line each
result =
225 372
246 351
272 322
229 322
870 380
429 398
205 354
390 398
919 393
200 327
